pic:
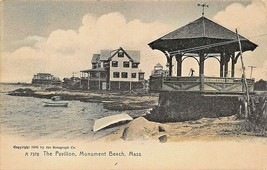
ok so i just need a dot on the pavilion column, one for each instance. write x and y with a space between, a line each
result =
201 64
233 69
169 61
170 66
233 64
222 61
227 59
226 69
88 81
179 65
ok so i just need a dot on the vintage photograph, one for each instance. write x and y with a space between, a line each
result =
133 84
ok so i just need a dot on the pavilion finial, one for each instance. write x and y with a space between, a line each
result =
203 8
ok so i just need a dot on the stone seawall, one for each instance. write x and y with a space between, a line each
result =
183 106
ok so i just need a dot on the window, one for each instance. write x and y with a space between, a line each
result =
133 75
114 63
106 64
141 76
116 75
126 64
135 65
124 75
120 54
94 66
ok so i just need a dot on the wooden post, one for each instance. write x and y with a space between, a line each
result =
99 81
244 75
162 81
81 77
88 86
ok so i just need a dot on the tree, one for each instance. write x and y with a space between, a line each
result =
260 85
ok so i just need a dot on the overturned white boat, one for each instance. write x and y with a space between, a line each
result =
55 104
109 120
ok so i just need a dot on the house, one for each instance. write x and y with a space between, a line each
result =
71 83
45 79
158 71
113 70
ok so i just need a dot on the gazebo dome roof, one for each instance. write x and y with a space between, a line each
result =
199 33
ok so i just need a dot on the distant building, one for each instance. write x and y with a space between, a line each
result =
45 79
71 83
114 70
158 71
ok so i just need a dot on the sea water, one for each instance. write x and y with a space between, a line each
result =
26 117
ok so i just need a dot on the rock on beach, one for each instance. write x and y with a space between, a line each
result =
142 129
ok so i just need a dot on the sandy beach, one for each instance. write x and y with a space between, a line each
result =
205 129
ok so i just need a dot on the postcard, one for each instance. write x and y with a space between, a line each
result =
133 84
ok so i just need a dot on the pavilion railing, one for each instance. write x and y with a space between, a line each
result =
202 83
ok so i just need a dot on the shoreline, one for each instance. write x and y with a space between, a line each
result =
113 101
204 129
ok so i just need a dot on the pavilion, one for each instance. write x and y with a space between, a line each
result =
200 40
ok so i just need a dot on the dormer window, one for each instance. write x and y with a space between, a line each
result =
120 54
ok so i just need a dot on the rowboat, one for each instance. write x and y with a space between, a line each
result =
55 104
56 98
110 120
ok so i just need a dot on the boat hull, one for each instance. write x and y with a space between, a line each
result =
109 120
54 104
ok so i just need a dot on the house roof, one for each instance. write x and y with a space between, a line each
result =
105 54
44 74
195 29
95 58
199 33
108 54
135 55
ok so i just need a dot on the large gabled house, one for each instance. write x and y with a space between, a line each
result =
113 70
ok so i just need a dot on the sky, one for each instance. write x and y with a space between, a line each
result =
60 37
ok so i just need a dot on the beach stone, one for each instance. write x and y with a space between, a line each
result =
163 139
141 129
162 128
